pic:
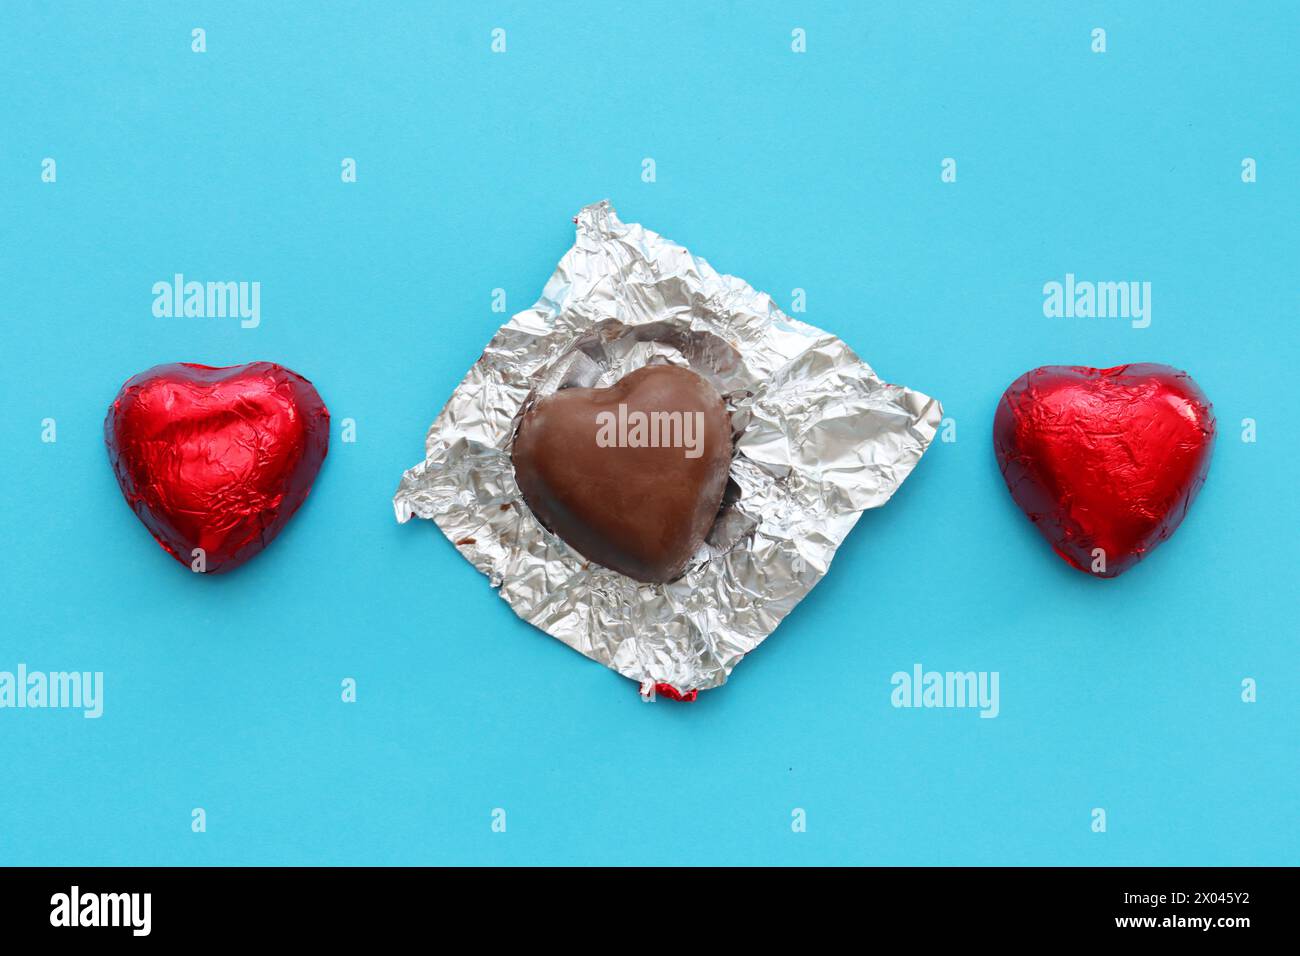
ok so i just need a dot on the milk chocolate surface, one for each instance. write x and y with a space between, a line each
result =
630 476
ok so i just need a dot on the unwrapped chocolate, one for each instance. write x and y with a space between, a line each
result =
819 438
630 476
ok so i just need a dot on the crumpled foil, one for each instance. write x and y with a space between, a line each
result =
819 439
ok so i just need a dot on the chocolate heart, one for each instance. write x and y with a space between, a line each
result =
216 459
630 476
1105 462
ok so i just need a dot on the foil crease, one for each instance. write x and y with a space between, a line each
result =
819 439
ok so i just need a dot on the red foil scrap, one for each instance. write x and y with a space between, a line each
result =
1105 462
216 459
672 693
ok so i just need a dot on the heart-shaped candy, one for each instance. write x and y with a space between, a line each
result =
1105 462
630 476
215 461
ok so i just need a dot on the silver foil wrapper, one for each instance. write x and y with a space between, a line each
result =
819 439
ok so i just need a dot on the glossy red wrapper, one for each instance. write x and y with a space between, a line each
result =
1105 462
217 459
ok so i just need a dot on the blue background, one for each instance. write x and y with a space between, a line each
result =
817 171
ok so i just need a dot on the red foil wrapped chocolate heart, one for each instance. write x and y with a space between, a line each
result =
216 460
1105 462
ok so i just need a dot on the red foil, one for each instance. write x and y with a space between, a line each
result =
672 693
216 458
1106 459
